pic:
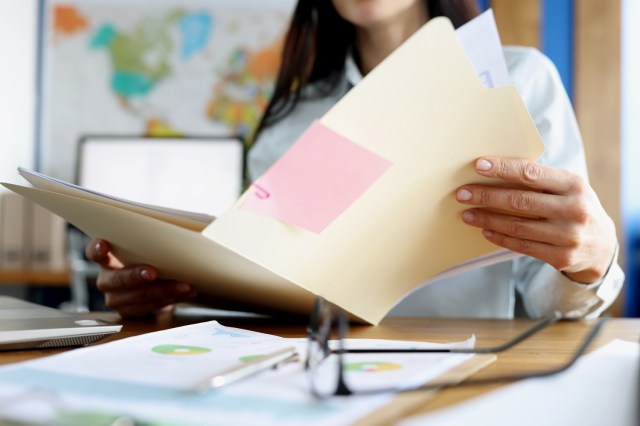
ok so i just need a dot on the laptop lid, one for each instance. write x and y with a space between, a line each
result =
26 325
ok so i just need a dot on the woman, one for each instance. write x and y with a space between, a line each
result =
568 239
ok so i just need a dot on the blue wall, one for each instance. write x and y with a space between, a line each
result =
556 38
630 148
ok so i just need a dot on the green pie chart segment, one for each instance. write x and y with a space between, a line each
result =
249 358
169 349
371 367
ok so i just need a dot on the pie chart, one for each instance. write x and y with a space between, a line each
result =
371 366
171 349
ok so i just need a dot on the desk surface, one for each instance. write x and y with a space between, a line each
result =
547 349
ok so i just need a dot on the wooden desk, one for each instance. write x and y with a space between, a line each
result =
40 278
547 349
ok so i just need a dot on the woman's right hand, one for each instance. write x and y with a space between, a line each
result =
134 291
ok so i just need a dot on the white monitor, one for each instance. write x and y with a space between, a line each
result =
202 175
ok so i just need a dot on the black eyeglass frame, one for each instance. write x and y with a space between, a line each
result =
342 323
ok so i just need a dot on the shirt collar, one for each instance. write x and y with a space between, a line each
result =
352 72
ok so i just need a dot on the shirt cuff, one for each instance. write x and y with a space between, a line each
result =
550 290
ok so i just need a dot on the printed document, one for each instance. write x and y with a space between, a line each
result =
150 379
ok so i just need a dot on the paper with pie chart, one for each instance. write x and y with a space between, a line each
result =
148 377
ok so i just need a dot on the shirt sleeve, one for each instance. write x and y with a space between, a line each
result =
544 289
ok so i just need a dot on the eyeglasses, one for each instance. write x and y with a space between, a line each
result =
327 370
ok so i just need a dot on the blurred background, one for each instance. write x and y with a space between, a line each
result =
72 69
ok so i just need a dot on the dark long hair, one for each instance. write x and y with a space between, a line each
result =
316 46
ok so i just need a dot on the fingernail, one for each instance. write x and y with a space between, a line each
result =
487 233
98 247
468 216
483 165
463 195
145 274
183 288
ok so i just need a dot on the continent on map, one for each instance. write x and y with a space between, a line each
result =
139 59
68 20
196 30
241 94
156 128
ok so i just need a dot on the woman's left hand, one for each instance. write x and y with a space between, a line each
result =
544 212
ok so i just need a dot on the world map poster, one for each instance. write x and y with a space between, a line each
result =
154 68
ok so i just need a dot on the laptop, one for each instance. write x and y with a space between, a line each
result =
25 325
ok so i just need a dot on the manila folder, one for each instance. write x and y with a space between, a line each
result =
423 109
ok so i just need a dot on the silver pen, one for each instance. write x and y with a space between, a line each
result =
246 369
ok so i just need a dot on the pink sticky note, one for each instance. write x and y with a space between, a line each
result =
316 180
